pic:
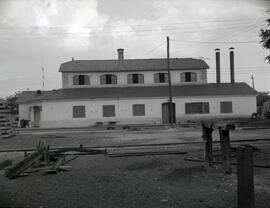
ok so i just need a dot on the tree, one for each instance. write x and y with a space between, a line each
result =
265 36
11 101
262 97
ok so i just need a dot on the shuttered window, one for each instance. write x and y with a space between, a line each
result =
195 108
138 110
108 111
188 77
81 80
75 80
160 77
226 107
108 79
135 78
79 111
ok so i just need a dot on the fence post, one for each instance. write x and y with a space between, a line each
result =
225 146
207 129
245 177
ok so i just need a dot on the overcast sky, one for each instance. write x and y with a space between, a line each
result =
49 32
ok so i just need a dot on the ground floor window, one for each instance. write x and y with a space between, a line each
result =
226 107
138 109
108 111
79 111
198 107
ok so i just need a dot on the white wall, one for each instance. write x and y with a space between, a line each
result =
24 112
59 114
67 78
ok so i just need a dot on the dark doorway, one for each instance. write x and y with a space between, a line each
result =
36 116
166 112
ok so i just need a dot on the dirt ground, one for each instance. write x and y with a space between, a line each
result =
146 181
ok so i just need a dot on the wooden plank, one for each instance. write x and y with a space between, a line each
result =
23 165
131 154
56 166
5 164
195 159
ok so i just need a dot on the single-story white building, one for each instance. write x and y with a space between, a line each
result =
82 107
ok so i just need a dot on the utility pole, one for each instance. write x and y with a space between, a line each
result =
171 113
252 78
42 70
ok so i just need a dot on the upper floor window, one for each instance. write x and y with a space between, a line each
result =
81 80
188 77
108 79
160 77
135 78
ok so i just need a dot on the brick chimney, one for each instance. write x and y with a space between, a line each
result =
120 55
232 64
217 65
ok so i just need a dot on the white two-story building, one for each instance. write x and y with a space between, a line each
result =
133 91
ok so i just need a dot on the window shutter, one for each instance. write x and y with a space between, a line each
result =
79 111
226 107
205 107
103 79
193 77
156 78
166 77
86 80
138 109
108 111
141 78
188 108
129 79
114 79
183 77
76 80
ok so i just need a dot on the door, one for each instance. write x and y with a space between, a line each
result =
36 116
166 112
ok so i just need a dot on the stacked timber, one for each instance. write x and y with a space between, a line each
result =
5 124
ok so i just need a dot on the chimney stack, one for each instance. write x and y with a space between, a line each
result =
120 55
217 65
232 64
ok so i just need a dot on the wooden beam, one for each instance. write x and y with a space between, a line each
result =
245 177
207 129
225 150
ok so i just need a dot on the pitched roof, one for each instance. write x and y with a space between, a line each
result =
212 89
26 96
132 65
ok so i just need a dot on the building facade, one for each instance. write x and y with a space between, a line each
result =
129 91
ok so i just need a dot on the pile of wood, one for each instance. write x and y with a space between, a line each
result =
47 161
5 123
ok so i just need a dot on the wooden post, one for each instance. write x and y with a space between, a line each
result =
171 112
207 129
245 177
225 150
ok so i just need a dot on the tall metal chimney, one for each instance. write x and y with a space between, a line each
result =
217 65
120 55
232 64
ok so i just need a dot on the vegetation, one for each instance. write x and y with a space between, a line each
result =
262 97
265 39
